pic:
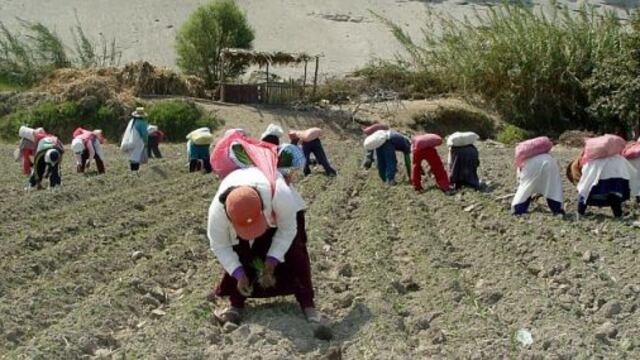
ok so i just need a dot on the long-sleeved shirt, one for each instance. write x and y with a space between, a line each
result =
279 209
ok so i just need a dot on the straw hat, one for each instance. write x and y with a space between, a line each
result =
139 112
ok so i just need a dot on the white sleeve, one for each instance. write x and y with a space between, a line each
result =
285 212
218 231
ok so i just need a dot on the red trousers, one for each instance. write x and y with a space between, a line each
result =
435 164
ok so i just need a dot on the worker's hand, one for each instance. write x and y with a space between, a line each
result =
268 279
244 286
88 165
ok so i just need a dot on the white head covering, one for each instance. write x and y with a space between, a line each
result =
77 146
51 153
274 130
152 128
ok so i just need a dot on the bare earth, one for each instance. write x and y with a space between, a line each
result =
343 31
119 267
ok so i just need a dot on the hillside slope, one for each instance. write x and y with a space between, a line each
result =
403 275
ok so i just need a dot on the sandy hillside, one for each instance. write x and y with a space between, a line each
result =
343 31
118 267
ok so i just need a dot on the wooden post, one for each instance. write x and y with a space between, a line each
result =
315 76
222 76
304 80
266 86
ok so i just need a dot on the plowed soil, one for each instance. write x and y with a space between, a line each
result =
118 266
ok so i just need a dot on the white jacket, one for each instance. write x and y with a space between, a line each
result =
284 205
607 168
539 175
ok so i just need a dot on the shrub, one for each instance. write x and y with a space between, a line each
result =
212 27
531 66
401 78
61 119
614 87
446 116
510 134
177 118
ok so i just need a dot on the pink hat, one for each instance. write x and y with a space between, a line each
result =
244 208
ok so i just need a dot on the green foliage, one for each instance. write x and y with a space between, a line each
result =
530 65
210 28
177 118
510 135
400 77
449 117
614 87
92 54
61 119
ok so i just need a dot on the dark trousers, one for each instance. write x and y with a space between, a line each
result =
153 150
315 147
522 208
134 166
200 164
85 159
42 170
387 162
615 202
293 276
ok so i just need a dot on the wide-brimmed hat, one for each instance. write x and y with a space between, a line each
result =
139 112
244 208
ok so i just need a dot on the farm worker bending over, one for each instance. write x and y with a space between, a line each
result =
368 156
538 173
386 143
155 138
135 139
632 153
311 144
272 134
258 235
29 139
46 163
86 145
198 144
423 147
606 177
463 160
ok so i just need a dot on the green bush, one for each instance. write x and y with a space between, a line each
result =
510 135
210 28
530 65
177 118
614 87
61 119
448 116
401 78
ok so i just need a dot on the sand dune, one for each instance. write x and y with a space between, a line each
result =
343 31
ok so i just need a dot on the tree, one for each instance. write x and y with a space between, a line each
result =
212 27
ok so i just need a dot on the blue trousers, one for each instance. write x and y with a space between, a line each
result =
315 147
387 162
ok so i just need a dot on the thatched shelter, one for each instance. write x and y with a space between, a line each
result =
266 59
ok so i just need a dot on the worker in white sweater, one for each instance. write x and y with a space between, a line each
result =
257 232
